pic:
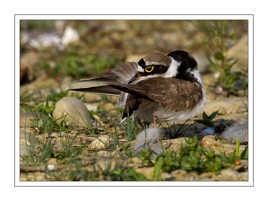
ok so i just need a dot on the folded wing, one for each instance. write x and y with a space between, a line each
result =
121 74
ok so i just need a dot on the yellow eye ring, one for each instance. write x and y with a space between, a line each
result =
149 69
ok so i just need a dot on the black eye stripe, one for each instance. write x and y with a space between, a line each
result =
158 69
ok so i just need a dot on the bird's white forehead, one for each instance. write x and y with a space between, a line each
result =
140 69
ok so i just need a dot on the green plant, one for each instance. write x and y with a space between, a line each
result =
79 66
146 156
194 157
220 35
130 127
207 119
38 151
37 25
68 150
124 174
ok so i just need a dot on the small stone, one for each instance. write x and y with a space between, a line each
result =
51 164
109 107
236 131
73 111
175 144
136 161
182 175
228 175
90 97
219 90
40 176
208 131
91 107
104 154
70 35
146 171
216 75
51 167
101 142
211 141
52 161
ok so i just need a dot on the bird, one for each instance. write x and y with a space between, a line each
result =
159 87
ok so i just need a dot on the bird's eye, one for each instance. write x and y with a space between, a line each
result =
149 69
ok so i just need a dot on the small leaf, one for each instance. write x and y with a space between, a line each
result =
213 64
205 116
237 146
244 154
157 169
233 63
219 56
213 115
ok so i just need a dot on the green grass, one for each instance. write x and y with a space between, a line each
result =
69 148
190 157
79 66
37 24
220 36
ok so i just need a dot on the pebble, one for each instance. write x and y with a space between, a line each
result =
91 107
51 167
208 131
70 35
101 142
146 171
89 97
109 107
74 111
236 131
51 164
228 175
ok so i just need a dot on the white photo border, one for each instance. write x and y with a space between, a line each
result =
249 17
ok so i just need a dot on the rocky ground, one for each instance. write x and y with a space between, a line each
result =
66 136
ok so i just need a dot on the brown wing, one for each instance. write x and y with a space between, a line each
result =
172 94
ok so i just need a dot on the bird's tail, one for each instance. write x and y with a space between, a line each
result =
99 85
